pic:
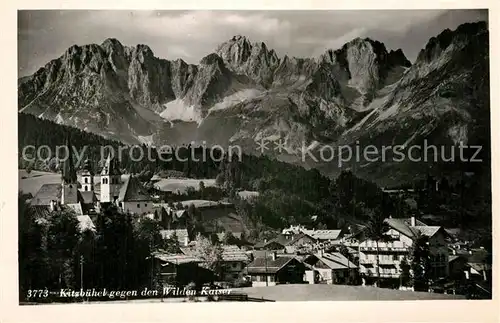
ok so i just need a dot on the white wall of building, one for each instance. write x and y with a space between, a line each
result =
137 207
109 190
260 280
87 183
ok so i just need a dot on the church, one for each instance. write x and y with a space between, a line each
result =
86 197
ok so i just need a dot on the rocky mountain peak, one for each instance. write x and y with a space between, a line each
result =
112 44
212 59
437 45
398 58
236 51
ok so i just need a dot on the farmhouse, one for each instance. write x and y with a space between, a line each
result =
274 270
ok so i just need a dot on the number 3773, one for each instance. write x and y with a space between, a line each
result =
38 293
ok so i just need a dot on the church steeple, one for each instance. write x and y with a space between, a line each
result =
69 191
68 169
87 177
110 181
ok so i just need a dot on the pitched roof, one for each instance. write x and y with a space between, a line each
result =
401 226
335 260
177 259
267 265
282 240
428 231
132 190
88 197
323 234
233 253
47 193
477 256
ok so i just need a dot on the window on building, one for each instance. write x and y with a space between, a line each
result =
271 278
105 180
394 257
86 180
145 204
138 205
86 188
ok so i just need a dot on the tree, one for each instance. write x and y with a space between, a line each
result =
405 275
345 252
375 230
32 255
202 189
171 244
62 242
420 263
210 253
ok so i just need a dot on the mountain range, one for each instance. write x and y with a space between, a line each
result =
360 94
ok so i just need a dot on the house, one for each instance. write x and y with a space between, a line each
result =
273 270
179 269
286 243
324 236
320 236
400 236
293 230
234 261
329 268
479 264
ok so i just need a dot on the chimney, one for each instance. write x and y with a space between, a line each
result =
412 221
273 255
321 252
52 205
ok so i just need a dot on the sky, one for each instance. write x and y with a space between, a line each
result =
44 35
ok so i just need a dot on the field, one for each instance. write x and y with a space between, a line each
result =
320 292
179 185
31 183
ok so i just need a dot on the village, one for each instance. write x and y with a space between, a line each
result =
297 255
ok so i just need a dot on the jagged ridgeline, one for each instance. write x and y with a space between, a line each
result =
361 92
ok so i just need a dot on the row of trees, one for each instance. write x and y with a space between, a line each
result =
54 253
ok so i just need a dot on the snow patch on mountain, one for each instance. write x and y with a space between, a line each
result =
178 110
146 140
235 98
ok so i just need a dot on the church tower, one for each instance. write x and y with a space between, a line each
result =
69 190
110 181
87 177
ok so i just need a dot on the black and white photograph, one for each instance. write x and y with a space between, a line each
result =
187 156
